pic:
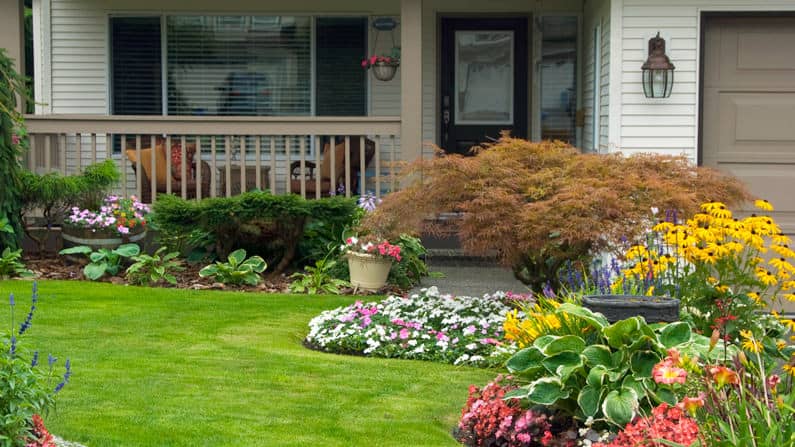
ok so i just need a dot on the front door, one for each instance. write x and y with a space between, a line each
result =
484 81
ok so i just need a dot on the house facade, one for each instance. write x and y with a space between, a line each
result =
261 86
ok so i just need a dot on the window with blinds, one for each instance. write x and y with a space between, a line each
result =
341 83
135 66
240 65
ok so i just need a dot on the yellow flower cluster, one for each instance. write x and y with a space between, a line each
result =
714 237
540 320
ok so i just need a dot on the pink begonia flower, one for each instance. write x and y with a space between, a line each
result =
469 330
123 229
404 334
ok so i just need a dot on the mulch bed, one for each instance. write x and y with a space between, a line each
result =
62 268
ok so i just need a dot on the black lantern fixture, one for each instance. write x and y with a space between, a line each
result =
658 71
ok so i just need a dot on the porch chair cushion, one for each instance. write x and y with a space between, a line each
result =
339 161
161 177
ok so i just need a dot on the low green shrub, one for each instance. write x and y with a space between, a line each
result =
26 389
153 269
53 194
103 261
318 278
237 270
269 225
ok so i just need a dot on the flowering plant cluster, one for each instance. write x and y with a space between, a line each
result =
26 389
380 60
666 423
425 326
715 264
39 436
116 213
744 403
371 245
490 419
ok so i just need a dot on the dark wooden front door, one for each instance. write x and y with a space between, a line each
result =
484 81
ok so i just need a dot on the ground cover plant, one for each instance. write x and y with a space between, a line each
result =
425 326
103 261
184 368
541 204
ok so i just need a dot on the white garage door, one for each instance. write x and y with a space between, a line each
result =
749 106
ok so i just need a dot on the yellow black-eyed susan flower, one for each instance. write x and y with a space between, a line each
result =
763 204
749 343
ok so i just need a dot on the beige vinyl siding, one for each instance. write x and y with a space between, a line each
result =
597 13
669 125
384 96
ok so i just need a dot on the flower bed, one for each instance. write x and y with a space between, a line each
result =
426 326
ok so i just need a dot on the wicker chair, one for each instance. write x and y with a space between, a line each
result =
191 186
325 168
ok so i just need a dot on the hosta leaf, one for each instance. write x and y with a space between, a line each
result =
596 320
128 250
237 257
525 360
546 391
598 355
80 250
675 334
566 343
589 400
619 406
596 376
563 364
643 362
95 271
542 342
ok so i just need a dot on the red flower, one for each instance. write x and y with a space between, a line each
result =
667 423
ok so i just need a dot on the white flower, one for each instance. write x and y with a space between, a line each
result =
412 342
471 346
654 210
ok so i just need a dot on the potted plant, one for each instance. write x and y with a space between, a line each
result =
383 67
369 261
118 221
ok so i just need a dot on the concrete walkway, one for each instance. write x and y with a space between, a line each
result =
471 279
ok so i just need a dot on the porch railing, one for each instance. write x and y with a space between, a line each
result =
236 153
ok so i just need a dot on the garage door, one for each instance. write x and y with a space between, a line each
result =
749 106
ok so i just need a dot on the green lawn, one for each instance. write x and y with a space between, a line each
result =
160 367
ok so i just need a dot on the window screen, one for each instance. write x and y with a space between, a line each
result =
239 65
136 77
341 88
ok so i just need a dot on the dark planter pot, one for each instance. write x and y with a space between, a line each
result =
654 309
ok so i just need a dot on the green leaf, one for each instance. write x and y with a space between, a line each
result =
665 395
94 271
622 333
619 406
634 384
542 342
643 362
596 320
236 257
519 393
546 391
128 250
566 343
79 250
596 376
563 364
254 264
596 355
589 399
209 270
96 256
675 334
525 360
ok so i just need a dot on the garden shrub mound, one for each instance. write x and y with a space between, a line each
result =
262 223
539 204
461 330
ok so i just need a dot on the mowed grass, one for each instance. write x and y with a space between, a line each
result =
164 367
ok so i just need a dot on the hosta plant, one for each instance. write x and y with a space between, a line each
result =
103 261
424 326
156 268
238 269
604 373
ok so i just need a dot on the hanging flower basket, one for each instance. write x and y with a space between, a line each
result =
383 67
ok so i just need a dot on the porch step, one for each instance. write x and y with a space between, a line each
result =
456 257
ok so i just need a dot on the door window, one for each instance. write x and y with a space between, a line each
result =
484 77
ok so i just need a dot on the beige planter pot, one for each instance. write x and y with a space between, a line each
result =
368 272
109 238
384 72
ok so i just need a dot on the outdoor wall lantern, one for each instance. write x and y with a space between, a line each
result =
658 71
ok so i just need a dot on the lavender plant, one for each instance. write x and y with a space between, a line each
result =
26 388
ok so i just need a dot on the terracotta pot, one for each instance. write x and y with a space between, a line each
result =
108 238
655 309
368 272
384 72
